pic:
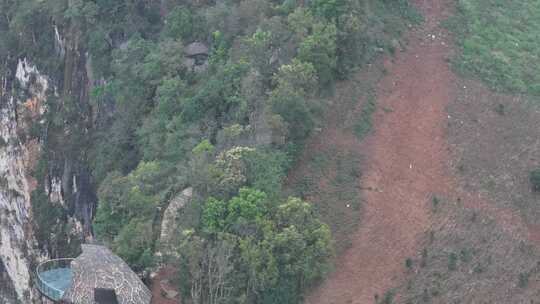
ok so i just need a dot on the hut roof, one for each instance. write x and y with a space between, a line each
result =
196 48
97 268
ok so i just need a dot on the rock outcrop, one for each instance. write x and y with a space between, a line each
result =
170 221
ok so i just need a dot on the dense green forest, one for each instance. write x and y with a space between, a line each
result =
137 125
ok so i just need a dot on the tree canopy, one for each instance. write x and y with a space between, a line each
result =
129 123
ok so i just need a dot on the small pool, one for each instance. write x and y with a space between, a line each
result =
57 278
53 278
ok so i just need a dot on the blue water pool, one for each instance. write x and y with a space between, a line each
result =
58 278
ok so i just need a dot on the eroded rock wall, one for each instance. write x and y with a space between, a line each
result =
18 251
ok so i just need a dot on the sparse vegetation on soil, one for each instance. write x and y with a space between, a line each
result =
480 242
490 253
364 123
496 155
471 262
404 167
328 172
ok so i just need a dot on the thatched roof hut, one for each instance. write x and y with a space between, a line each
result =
195 49
196 56
99 276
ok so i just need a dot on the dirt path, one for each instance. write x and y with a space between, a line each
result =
407 161
167 274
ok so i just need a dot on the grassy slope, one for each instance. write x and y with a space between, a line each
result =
500 42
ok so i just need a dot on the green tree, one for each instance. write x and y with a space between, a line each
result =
214 214
265 170
180 23
289 99
319 48
248 205
271 243
329 9
306 239
298 76
134 243
317 42
259 51
126 212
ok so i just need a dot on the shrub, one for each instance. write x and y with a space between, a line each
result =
423 261
523 280
364 123
452 261
388 297
408 263
534 178
435 202
465 255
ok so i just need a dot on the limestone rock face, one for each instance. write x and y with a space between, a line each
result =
23 101
17 241
25 95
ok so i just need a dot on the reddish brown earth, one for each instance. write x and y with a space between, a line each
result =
167 273
407 163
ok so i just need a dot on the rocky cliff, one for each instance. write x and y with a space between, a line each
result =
62 190
21 98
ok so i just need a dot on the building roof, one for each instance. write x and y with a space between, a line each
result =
196 48
97 268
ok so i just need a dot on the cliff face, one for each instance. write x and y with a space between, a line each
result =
47 191
17 241
66 184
